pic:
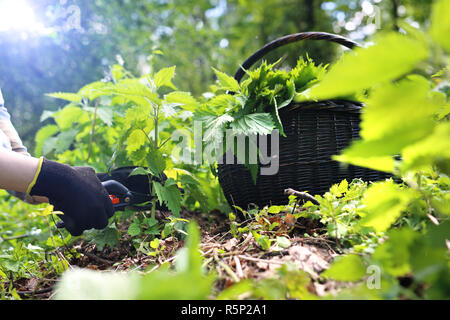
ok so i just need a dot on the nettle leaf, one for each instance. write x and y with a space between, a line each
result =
139 171
394 254
156 161
256 123
106 237
226 82
432 149
182 98
384 202
134 229
106 114
133 90
360 69
42 135
164 77
135 140
440 24
346 268
66 117
407 110
214 127
59 143
93 90
72 97
169 195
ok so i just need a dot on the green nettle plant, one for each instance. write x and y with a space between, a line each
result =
129 121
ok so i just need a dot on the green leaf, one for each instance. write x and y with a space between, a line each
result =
135 140
394 253
42 135
440 24
139 171
184 99
134 229
384 202
170 195
256 123
72 97
106 114
106 237
275 209
346 268
156 162
226 82
283 242
390 58
214 128
164 77
63 141
66 117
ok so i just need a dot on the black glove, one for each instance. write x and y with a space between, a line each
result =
77 192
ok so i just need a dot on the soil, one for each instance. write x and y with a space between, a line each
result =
239 258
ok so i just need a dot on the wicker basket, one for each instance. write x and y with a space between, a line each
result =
314 132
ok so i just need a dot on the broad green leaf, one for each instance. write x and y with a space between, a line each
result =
135 140
62 141
66 117
226 82
106 114
133 90
407 111
394 253
182 98
390 58
108 236
170 196
384 202
346 268
134 229
440 23
164 77
256 123
156 161
93 90
214 128
401 108
42 135
431 150
139 171
72 97
283 242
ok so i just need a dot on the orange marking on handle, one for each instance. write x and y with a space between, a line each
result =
114 199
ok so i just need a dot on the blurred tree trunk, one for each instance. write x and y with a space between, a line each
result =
310 15
395 4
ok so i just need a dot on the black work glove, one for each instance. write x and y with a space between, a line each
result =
77 192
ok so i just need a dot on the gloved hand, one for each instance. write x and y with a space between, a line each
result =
77 192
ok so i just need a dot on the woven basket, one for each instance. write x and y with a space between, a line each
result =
315 131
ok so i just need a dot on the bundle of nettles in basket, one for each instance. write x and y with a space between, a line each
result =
252 107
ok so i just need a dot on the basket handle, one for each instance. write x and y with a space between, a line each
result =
290 39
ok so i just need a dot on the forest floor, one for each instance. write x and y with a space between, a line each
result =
232 258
